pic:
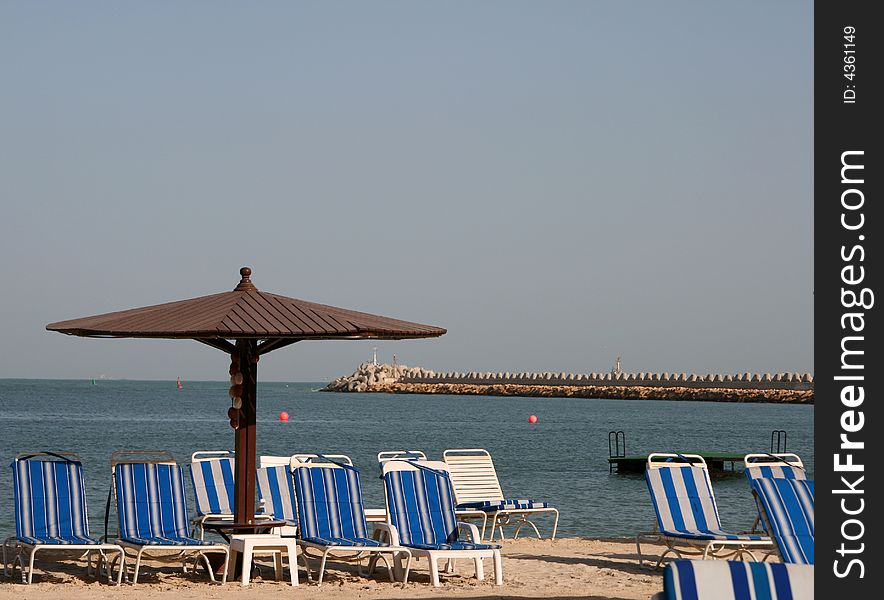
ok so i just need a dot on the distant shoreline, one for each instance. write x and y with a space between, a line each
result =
601 392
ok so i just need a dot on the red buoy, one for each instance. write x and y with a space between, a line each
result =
532 419
283 416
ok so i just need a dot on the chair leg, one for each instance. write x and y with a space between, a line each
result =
434 571
498 568
307 566
277 565
246 564
31 566
110 567
293 565
322 567
397 565
407 567
480 569
137 566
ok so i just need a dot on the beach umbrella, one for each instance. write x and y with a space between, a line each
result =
245 323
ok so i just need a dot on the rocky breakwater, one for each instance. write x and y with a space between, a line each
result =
741 387
369 377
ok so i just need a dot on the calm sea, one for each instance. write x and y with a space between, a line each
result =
561 459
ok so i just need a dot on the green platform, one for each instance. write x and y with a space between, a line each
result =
716 461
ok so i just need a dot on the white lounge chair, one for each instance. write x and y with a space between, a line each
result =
331 517
687 517
477 490
50 514
152 512
420 509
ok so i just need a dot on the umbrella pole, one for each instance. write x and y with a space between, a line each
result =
244 488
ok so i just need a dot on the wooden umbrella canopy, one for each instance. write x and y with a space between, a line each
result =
245 323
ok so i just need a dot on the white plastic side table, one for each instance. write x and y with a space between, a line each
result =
251 544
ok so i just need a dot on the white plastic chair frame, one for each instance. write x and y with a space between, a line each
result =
395 572
177 553
388 455
14 551
433 556
718 549
474 479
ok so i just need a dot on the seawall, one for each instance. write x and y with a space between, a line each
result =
740 387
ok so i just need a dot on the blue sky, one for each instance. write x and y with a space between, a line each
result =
556 183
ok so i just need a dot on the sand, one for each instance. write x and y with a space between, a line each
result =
563 568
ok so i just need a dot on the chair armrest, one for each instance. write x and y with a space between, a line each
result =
390 530
471 530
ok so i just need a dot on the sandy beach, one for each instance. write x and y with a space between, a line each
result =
563 568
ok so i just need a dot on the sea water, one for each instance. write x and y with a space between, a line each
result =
562 459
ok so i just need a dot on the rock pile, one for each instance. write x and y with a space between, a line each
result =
369 376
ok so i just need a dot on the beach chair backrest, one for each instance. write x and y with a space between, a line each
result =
387 455
681 493
276 489
273 461
774 466
473 475
330 502
308 458
786 507
420 501
150 500
49 497
213 486
736 580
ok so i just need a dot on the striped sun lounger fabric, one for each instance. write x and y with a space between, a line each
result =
50 502
276 489
786 506
151 504
775 471
505 504
685 506
421 505
736 580
213 486
331 512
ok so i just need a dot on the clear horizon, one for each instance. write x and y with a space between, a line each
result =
557 184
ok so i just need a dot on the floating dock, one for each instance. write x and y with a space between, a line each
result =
620 462
716 461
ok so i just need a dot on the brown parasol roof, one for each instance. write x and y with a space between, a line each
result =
246 324
244 313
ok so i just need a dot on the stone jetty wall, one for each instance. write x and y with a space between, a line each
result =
739 381
741 387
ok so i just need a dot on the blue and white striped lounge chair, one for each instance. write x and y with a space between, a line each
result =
50 513
477 488
735 580
331 516
152 512
211 473
772 466
786 507
687 516
421 517
276 490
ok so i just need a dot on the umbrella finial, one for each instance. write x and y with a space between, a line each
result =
245 284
